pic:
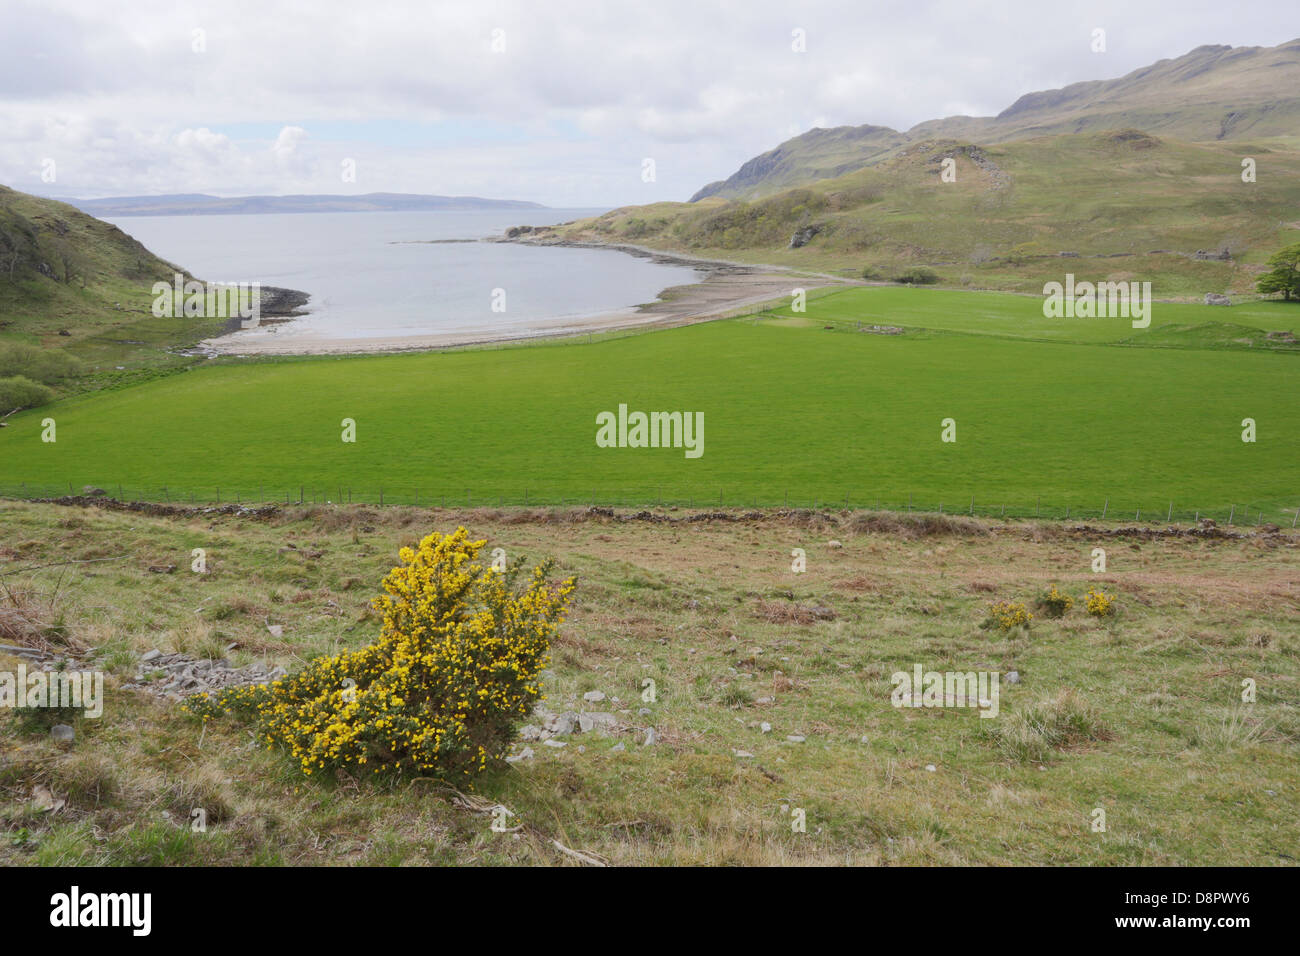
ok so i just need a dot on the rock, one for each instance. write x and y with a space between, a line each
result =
525 754
795 738
644 712
865 740
275 630
585 724
148 656
1013 677
63 733
554 743
834 544
742 753
560 724
618 748
765 728
530 732
1213 298
594 696
931 767
650 738
91 491
803 236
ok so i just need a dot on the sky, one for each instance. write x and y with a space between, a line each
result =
570 103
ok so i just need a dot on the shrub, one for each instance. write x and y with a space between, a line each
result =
1007 615
918 276
456 667
871 272
21 392
41 365
1055 604
1098 603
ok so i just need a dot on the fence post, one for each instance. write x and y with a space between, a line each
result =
1232 513
1103 509
1170 516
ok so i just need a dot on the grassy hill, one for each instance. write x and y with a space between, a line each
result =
73 282
1115 204
1211 94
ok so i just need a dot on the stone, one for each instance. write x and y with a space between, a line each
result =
834 544
275 630
931 767
765 728
742 753
63 733
525 754
795 738
148 656
618 748
644 711
530 732
560 724
1013 677
1214 298
594 696
554 743
650 738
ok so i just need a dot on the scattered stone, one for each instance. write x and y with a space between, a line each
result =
525 754
1013 677
90 491
765 728
552 742
795 738
162 568
594 696
275 630
148 656
742 753
618 748
530 732
650 738
931 767
644 712
865 740
1213 298
834 544
63 733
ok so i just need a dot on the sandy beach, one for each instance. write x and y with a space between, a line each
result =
728 288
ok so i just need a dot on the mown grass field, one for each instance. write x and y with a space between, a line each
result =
710 609
1050 414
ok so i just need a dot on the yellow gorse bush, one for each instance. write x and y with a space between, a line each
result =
1056 603
456 667
1098 603
1008 614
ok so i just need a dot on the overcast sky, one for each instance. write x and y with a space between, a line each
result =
556 101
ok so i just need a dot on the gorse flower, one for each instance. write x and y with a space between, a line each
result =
457 665
1007 615
1098 603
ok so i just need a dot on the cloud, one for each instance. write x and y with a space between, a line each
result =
279 93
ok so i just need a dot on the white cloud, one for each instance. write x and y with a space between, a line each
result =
283 91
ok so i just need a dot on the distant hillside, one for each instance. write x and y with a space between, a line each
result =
1212 93
1119 204
200 204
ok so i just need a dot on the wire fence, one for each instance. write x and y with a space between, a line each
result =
1248 513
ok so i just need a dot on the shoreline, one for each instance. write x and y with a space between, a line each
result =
727 289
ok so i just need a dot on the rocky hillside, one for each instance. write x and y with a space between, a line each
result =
1212 93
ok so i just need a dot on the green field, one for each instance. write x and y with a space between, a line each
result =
1077 413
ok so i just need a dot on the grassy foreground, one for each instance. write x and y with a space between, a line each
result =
1139 714
1077 414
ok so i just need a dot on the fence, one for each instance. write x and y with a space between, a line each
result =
1108 509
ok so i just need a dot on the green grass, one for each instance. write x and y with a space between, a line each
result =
1073 411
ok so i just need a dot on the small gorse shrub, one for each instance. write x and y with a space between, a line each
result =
1007 615
1098 603
1056 604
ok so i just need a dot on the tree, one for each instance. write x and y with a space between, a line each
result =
1283 274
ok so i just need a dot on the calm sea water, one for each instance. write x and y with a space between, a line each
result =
375 274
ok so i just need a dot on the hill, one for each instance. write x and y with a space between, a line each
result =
200 204
1212 93
1106 204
